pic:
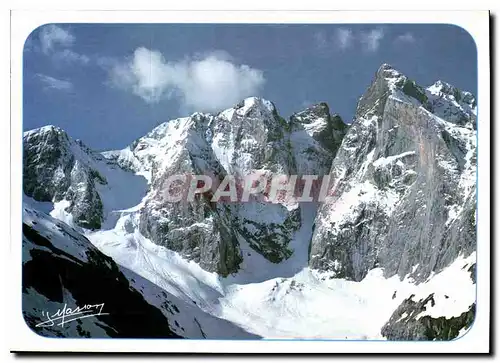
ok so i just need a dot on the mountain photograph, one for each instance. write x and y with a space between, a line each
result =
249 181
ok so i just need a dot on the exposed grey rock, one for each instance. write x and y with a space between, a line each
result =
207 232
315 138
327 129
452 104
403 188
57 168
197 229
268 233
428 317
435 220
406 324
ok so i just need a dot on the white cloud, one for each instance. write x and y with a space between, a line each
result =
343 37
211 83
371 39
52 36
54 83
55 41
69 56
405 38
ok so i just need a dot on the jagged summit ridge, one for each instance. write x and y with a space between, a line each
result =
43 129
452 104
441 98
254 103
459 95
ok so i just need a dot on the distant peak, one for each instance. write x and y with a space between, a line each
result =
320 108
385 66
200 116
255 102
388 72
442 87
446 87
311 113
45 129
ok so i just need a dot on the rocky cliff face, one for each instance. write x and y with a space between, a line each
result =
57 168
315 138
403 186
199 230
405 323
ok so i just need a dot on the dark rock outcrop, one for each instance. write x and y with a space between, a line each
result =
406 324
72 273
57 168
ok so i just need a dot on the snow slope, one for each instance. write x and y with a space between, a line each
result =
286 300
183 319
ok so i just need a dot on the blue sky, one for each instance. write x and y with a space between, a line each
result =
108 84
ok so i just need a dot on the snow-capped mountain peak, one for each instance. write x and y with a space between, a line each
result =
388 72
44 129
452 104
254 103
441 88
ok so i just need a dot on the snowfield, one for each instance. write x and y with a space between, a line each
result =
279 301
288 300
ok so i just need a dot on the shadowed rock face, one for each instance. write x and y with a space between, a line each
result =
403 188
80 275
315 138
250 138
195 229
328 130
405 323
57 168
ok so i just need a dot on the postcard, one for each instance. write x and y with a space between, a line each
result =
216 182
